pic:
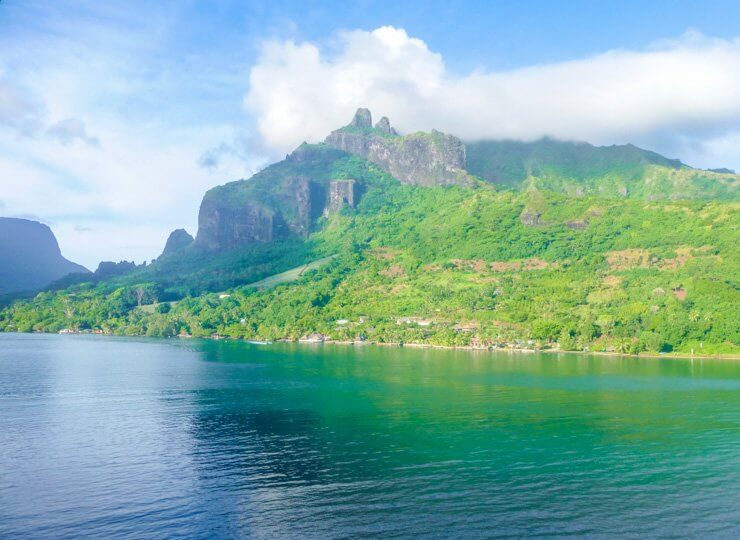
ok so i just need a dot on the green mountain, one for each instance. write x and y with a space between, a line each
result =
331 243
579 169
30 257
280 202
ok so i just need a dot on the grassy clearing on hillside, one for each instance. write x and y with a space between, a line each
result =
271 281
288 276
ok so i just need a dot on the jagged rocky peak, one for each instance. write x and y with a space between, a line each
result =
110 268
384 126
286 199
362 119
426 159
178 239
304 152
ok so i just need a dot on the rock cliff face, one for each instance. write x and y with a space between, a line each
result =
282 201
283 210
286 199
222 228
341 193
30 257
178 239
296 196
425 159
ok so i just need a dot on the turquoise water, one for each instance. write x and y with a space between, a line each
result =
113 437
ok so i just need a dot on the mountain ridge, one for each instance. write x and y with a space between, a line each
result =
30 257
426 159
550 259
576 168
288 197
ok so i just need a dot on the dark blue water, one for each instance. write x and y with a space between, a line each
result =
109 437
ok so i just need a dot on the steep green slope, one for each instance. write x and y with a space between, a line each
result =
564 245
455 266
193 270
582 169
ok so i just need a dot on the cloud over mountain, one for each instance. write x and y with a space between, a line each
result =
686 88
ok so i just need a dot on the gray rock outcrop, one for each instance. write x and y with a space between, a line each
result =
285 200
531 218
384 126
341 193
362 119
425 159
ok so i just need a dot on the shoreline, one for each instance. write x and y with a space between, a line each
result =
510 350
514 350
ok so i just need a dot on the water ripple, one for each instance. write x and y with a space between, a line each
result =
146 439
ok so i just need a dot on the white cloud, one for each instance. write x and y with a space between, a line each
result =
93 138
113 143
70 130
133 188
298 91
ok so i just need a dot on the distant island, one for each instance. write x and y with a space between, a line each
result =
374 236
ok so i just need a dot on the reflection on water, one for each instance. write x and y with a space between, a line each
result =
103 436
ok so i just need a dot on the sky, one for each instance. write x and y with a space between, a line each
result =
116 117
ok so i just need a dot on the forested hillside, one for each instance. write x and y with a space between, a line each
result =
451 266
577 169
555 245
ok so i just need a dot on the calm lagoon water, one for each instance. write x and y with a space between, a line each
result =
113 437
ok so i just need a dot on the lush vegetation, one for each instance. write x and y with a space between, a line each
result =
445 266
578 169
368 131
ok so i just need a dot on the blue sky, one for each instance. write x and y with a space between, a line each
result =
115 117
